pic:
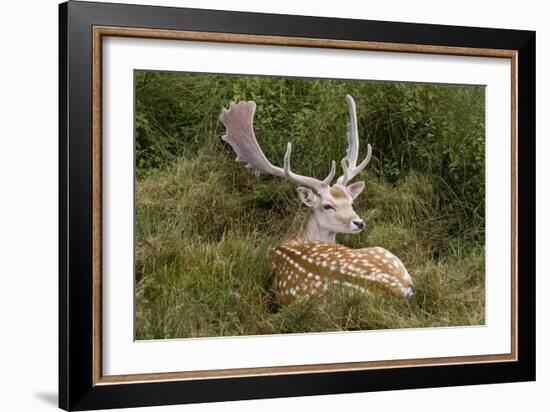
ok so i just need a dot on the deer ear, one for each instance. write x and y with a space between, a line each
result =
355 189
307 196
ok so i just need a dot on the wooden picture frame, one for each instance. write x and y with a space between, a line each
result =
82 28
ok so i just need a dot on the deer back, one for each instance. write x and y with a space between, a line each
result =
310 268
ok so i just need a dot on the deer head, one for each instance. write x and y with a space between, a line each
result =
331 206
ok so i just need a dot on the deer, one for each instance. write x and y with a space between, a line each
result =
310 262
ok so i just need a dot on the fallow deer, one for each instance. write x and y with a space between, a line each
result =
311 261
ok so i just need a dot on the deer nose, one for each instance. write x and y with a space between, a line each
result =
359 223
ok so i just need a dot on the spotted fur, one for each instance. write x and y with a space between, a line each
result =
310 268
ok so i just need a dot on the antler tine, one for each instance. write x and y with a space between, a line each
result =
238 122
353 134
304 180
342 180
331 174
349 162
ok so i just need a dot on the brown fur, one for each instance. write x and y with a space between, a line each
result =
309 268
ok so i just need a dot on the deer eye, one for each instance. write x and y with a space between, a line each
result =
328 207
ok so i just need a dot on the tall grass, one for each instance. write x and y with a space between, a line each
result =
204 224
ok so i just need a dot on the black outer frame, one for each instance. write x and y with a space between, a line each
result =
76 389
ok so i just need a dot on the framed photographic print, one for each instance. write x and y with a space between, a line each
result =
257 205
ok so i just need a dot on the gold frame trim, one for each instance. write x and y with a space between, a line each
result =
100 31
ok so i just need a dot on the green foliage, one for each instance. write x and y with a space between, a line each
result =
204 224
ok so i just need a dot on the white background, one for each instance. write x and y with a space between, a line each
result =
28 205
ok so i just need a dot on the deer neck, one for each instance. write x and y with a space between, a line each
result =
311 231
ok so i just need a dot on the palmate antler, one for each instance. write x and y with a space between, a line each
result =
238 122
349 163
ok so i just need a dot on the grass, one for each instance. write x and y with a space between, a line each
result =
204 224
